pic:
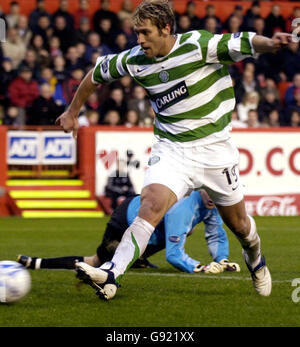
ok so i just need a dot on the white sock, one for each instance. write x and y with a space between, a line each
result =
251 245
132 246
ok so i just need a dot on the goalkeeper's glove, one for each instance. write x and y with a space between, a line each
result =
229 266
212 268
216 268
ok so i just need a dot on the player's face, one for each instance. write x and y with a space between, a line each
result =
152 41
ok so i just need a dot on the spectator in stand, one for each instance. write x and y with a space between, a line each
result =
259 26
73 60
13 15
61 75
95 45
44 28
252 119
23 89
63 11
236 122
211 13
140 103
59 68
66 35
112 118
93 103
83 31
39 11
250 102
237 12
268 66
211 25
127 29
288 60
116 102
23 29
126 10
44 110
274 21
106 33
127 85
71 84
54 47
89 118
14 117
95 56
14 48
267 104
184 24
47 76
80 46
234 25
132 119
288 23
252 13
30 61
43 57
289 94
294 120
7 75
195 21
273 119
247 84
82 11
121 43
105 13
270 86
295 105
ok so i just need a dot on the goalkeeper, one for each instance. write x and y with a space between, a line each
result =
170 234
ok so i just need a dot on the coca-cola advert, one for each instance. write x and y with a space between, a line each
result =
269 165
273 205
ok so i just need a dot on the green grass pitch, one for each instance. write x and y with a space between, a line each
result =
161 297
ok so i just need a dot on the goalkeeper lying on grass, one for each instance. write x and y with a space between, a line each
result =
170 234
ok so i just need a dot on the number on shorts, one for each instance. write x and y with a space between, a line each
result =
230 175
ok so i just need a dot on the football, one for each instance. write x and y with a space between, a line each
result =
15 281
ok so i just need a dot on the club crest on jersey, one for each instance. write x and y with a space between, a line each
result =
164 76
171 97
104 66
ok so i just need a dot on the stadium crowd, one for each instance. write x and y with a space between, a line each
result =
46 55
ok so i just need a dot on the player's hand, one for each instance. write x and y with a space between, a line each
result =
68 122
212 268
230 266
281 40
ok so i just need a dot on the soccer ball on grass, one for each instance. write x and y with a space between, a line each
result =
15 281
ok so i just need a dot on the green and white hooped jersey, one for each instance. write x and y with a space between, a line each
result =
190 89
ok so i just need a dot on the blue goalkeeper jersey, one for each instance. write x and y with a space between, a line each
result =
178 222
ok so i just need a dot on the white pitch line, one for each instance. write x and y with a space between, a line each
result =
158 274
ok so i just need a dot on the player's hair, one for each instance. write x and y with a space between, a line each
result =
159 12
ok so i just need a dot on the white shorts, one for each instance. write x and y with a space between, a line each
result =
213 168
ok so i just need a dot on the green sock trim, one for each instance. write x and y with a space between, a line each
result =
135 257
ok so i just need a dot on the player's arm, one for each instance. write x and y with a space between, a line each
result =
263 44
69 119
107 69
230 48
178 221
